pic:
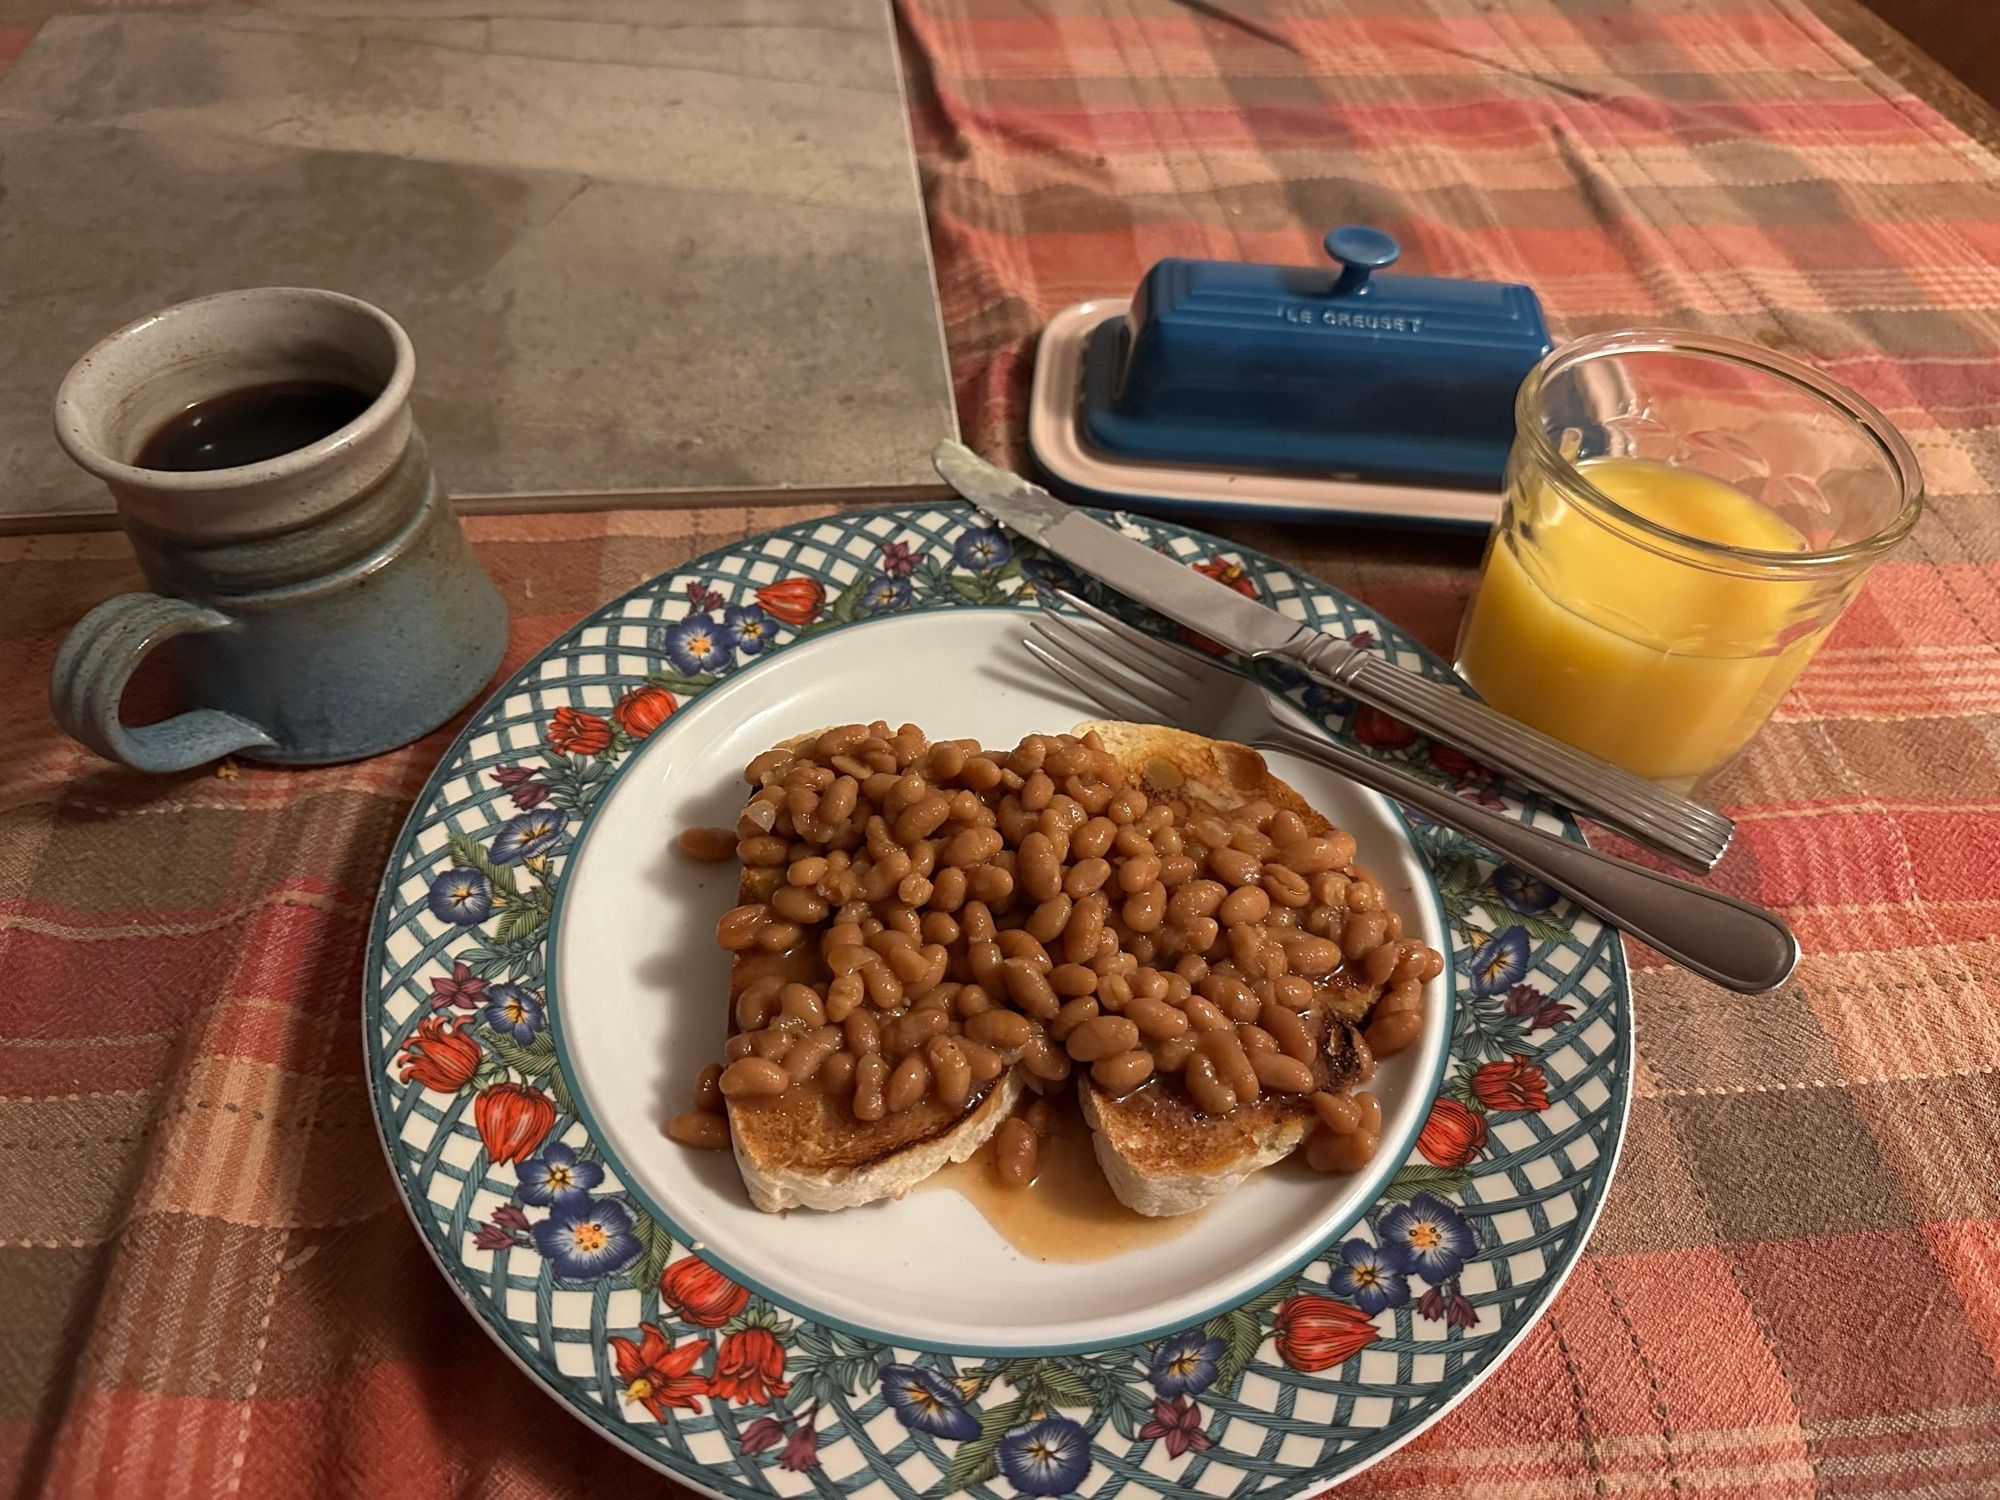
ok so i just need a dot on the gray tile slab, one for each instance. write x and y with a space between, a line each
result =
637 255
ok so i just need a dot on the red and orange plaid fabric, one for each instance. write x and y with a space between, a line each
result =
207 1284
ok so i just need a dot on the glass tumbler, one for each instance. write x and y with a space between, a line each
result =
1686 517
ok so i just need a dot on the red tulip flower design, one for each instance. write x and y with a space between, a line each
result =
573 732
1317 1333
643 710
512 1120
796 601
701 1294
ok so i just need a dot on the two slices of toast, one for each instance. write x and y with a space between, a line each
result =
1159 1152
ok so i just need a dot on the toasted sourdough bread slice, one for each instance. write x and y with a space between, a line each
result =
804 1150
1161 1155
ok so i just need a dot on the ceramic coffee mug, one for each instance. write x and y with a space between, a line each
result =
321 605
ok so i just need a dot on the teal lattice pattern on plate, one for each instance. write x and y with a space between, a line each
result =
744 1394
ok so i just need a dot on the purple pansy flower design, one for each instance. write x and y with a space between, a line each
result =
700 643
982 549
588 1241
1185 1365
1051 574
1425 1237
558 1178
514 1011
885 595
528 835
461 897
925 1401
1499 963
1048 1457
1522 891
752 627
1369 1279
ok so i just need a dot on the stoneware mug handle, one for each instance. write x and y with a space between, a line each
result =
99 658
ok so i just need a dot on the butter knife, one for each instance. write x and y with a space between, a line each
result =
1682 830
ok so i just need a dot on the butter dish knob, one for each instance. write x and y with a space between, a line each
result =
1359 250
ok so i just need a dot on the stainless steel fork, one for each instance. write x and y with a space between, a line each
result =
1139 677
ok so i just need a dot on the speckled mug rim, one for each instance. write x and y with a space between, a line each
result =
74 399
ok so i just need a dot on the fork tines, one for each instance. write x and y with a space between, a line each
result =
1144 678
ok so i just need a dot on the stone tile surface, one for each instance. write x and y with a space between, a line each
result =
637 255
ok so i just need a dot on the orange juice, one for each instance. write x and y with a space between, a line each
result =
1627 645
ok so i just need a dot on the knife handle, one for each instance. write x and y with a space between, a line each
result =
1684 831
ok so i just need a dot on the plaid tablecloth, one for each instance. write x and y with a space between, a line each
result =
207 1285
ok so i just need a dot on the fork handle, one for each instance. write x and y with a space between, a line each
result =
1732 942
1682 830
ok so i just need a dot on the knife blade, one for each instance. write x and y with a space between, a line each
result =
1155 580
1678 828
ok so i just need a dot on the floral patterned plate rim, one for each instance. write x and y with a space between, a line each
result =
1344 1359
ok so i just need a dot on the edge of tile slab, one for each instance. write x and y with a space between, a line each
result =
561 503
924 217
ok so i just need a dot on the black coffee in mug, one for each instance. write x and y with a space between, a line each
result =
250 425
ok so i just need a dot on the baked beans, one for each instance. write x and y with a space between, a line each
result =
1388 1035
1327 1152
871 1073
802 1063
1071 980
907 1085
701 1129
1211 1095
1102 1036
707 1096
927 915
1016 1153
1156 1019
1072 1015
986 1064
950 1072
751 1078
708 846
1282 1074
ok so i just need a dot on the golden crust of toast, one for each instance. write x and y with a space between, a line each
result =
813 1154
802 1130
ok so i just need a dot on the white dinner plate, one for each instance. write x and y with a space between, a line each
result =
545 986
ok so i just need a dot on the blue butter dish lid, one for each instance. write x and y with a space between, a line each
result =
1340 372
